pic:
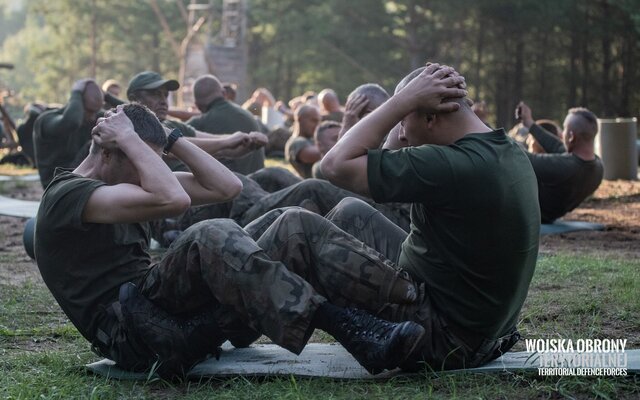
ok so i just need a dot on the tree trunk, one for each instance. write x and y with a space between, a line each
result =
94 41
574 51
586 57
628 71
155 58
413 39
519 69
605 92
478 63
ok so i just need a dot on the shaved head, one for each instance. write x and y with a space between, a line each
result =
307 118
464 102
206 89
328 100
582 122
375 95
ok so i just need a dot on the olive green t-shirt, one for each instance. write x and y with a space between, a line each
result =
223 117
294 146
564 179
59 135
84 264
475 223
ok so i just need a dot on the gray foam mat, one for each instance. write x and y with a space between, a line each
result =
328 360
18 208
569 226
22 178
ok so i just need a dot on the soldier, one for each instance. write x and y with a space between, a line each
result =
150 89
570 171
59 135
300 151
222 116
474 219
330 108
91 246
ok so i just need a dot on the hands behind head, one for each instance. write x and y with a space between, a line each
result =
354 108
429 91
112 129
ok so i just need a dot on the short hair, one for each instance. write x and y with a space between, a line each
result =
549 126
230 90
146 124
324 126
371 91
302 110
110 82
413 74
405 81
587 125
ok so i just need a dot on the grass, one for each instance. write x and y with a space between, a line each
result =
571 297
16 170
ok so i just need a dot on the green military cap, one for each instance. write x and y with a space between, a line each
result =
150 80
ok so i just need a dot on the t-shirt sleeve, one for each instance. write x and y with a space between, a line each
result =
296 147
410 175
64 203
549 142
186 130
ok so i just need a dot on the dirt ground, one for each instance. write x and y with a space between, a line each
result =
615 204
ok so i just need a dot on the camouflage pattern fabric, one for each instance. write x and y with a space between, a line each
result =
443 349
253 202
215 264
273 179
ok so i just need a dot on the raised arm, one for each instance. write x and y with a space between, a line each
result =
209 181
549 142
158 194
71 119
345 165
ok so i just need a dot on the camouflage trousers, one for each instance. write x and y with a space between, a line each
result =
273 179
274 283
318 196
253 202
446 346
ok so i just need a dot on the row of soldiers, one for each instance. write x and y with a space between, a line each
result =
429 222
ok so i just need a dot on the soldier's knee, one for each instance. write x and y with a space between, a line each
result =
209 230
352 206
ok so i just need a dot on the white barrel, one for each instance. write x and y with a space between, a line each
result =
616 146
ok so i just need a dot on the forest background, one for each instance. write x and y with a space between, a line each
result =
553 54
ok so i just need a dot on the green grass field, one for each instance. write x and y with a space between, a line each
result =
42 354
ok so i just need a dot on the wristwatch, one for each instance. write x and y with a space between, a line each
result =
171 139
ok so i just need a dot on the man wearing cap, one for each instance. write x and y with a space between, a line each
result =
60 134
222 116
150 89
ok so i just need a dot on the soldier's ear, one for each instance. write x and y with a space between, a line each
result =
430 120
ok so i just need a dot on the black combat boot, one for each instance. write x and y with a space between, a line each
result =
177 343
375 343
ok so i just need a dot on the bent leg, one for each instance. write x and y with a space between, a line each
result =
216 265
369 226
273 179
314 194
336 264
